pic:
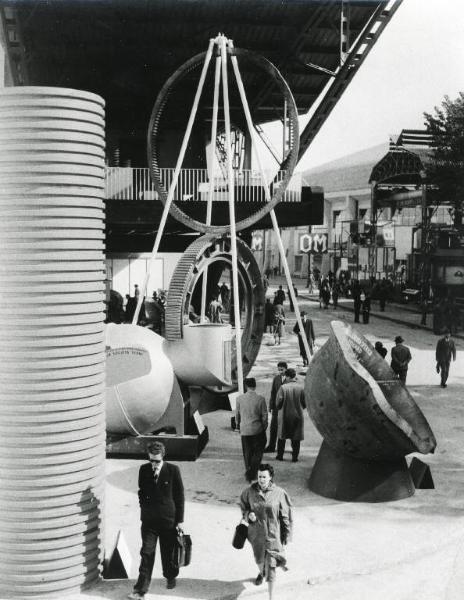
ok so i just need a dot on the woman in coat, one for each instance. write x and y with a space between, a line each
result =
267 510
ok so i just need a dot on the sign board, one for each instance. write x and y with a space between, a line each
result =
313 243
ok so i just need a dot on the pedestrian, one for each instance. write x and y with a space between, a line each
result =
381 349
290 403
265 283
161 499
356 294
267 509
382 294
251 419
279 296
444 351
279 323
276 385
401 357
269 316
136 292
290 301
335 294
214 310
366 308
309 333
325 293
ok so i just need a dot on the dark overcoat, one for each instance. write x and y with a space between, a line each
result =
290 402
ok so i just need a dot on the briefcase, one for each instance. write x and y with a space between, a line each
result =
183 549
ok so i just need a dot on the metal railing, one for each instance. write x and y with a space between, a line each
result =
127 183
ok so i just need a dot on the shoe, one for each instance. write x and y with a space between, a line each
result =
279 457
268 449
259 579
294 459
171 584
135 596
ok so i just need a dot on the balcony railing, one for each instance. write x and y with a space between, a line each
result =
124 183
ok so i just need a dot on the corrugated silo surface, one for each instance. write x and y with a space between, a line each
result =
52 355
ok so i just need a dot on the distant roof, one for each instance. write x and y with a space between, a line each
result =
347 173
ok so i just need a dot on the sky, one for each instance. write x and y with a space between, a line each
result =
418 59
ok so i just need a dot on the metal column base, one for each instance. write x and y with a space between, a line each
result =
343 477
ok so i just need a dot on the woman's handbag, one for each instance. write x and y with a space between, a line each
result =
183 549
240 535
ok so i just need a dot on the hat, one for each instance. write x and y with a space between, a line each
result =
399 340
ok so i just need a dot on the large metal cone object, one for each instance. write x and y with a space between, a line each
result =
358 405
368 419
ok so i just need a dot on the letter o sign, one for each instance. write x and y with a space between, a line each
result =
306 242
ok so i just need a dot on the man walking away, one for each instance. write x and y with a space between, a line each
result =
290 403
251 418
444 351
276 385
161 499
401 357
356 294
308 332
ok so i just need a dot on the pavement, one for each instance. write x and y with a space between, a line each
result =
403 550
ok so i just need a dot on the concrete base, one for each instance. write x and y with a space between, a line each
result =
178 447
342 477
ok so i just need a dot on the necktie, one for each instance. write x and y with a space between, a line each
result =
156 475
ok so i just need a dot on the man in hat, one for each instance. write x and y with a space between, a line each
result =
401 357
444 351
308 332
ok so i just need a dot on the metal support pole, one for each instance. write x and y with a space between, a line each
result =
233 233
217 77
175 179
275 225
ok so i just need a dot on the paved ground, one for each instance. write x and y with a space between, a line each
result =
401 550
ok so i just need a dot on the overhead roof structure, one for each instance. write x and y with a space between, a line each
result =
125 50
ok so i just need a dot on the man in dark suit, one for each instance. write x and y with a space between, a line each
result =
309 333
161 499
401 357
444 351
276 383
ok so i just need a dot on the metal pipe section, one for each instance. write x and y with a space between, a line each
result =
233 231
209 207
275 225
52 353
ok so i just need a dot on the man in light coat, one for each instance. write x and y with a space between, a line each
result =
251 418
290 403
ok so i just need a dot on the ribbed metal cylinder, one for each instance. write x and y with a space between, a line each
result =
52 353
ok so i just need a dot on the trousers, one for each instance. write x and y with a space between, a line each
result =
253 448
444 371
295 448
167 539
273 430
